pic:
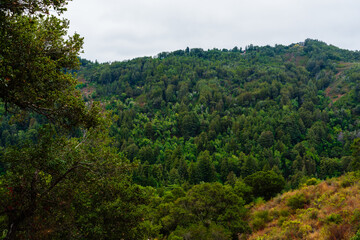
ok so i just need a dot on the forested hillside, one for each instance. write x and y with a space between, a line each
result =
186 145
210 116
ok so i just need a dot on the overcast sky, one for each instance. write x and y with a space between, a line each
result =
116 30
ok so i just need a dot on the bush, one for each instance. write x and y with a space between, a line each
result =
81 85
281 221
356 216
201 232
294 229
357 236
274 214
265 184
350 179
311 181
334 218
284 213
313 213
258 224
297 201
260 219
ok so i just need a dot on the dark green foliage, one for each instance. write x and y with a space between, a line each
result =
329 167
34 57
265 184
215 209
61 176
189 125
62 180
242 190
205 169
333 218
266 139
201 232
116 208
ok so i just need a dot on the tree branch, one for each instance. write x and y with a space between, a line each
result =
62 177
57 181
83 140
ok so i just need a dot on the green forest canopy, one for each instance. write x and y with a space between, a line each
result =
197 115
180 142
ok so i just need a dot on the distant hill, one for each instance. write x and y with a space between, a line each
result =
294 109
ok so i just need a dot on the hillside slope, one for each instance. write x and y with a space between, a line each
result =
294 109
326 210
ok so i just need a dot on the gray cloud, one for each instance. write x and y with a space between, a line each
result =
119 30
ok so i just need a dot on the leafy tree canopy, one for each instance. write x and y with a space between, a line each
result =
35 57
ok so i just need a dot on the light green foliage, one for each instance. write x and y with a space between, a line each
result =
350 179
356 217
295 229
259 220
311 181
313 213
357 236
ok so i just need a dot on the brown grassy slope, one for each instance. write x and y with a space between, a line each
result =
327 210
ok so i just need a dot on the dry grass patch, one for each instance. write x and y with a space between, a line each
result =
328 210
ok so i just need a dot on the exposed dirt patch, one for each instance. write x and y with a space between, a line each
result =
332 95
338 88
344 65
81 79
341 67
87 91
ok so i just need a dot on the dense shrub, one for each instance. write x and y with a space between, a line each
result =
297 201
265 184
